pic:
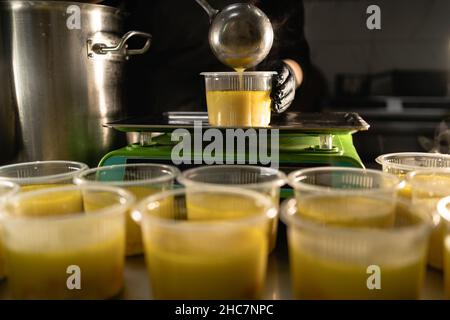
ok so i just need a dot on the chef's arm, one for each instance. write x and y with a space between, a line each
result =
294 49
289 56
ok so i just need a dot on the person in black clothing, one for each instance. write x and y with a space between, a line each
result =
167 77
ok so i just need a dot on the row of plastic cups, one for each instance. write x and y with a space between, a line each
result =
355 198
195 246
59 223
52 227
348 233
425 180
143 180
340 187
350 237
400 164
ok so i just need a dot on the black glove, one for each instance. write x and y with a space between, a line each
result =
283 87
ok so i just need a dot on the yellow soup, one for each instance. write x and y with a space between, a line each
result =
40 249
427 191
134 234
44 274
356 211
133 229
36 187
316 277
239 108
207 207
61 203
215 266
225 261
447 267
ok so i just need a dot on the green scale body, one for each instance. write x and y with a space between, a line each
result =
296 150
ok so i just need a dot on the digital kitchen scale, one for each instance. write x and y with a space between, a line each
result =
305 140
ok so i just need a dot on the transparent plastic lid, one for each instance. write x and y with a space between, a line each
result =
410 161
41 172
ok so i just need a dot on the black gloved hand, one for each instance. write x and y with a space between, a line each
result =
283 86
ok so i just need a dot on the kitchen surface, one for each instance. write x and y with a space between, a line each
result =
262 150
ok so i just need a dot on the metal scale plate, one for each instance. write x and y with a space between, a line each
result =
306 139
290 122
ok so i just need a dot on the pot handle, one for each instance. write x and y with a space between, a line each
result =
122 46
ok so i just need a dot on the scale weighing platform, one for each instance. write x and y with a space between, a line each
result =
305 139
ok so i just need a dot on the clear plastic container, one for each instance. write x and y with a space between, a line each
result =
427 188
36 175
57 238
7 190
401 164
142 180
336 262
344 196
264 180
238 99
206 243
444 212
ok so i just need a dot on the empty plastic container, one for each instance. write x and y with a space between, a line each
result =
238 99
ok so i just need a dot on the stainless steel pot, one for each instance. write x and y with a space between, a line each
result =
61 66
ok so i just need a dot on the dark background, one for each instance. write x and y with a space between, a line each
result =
396 77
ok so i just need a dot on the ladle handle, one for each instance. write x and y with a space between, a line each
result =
209 10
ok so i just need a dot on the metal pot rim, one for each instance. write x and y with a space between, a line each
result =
61 4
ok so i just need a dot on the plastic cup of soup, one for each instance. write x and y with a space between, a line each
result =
142 180
43 174
427 188
344 196
238 99
206 243
444 212
356 262
57 248
7 190
401 164
443 208
267 181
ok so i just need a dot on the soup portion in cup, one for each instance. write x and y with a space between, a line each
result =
357 262
56 248
403 163
7 190
344 196
42 174
427 188
142 180
238 99
444 212
206 243
267 181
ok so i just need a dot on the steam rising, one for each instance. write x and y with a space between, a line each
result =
441 142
